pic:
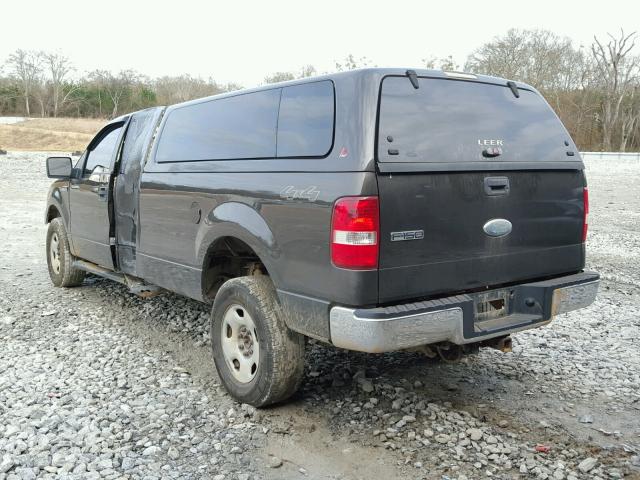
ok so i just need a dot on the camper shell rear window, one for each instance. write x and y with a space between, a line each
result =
448 120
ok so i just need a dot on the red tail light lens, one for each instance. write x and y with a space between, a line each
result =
355 228
585 224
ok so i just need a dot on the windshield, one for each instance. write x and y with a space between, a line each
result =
449 120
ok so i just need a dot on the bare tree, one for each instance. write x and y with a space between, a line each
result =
59 67
307 71
538 57
617 69
40 91
26 66
447 63
279 77
115 86
503 56
630 118
351 63
178 89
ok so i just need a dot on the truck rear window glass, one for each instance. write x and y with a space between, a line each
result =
305 124
136 140
243 126
449 120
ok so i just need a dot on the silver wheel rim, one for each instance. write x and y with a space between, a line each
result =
54 252
240 345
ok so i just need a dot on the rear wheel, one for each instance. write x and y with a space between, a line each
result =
59 258
259 360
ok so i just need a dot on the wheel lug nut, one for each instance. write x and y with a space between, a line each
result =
241 346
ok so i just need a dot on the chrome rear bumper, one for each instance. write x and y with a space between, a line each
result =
454 319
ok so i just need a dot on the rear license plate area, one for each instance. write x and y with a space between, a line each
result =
492 305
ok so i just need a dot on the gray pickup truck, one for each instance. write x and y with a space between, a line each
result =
374 210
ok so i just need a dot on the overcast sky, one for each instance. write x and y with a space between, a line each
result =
242 41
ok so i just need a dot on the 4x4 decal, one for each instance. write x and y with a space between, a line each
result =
290 192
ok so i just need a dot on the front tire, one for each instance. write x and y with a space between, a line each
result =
59 258
259 360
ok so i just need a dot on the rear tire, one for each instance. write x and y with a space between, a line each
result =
59 258
259 360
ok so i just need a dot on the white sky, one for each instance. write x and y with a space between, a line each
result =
242 41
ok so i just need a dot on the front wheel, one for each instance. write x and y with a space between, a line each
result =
59 258
260 361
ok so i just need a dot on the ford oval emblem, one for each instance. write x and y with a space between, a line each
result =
498 227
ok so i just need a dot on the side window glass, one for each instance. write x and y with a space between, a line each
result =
101 155
238 127
305 122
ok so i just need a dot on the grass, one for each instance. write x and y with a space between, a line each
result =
49 134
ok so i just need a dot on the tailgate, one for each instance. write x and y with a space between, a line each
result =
454 252
478 187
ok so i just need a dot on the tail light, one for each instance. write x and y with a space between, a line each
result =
355 228
585 223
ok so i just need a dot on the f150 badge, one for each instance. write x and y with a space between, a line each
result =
407 235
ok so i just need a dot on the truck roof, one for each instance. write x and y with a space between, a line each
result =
373 73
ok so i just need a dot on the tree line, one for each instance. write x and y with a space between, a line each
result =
594 89
41 84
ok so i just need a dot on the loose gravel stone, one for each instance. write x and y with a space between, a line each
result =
587 464
173 453
366 385
442 438
6 464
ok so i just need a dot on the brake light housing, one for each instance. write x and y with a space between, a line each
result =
585 218
355 233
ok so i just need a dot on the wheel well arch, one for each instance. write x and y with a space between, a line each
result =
228 257
52 212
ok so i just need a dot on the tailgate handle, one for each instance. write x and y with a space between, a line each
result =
496 186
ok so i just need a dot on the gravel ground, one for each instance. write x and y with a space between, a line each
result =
98 383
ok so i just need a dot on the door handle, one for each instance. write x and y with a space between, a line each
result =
494 186
74 186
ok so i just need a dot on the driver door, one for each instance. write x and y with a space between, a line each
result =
89 198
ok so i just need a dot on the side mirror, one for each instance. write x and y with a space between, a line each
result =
59 167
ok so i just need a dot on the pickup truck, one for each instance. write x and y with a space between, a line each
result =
374 210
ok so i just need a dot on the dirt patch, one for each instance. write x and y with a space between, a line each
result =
49 134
